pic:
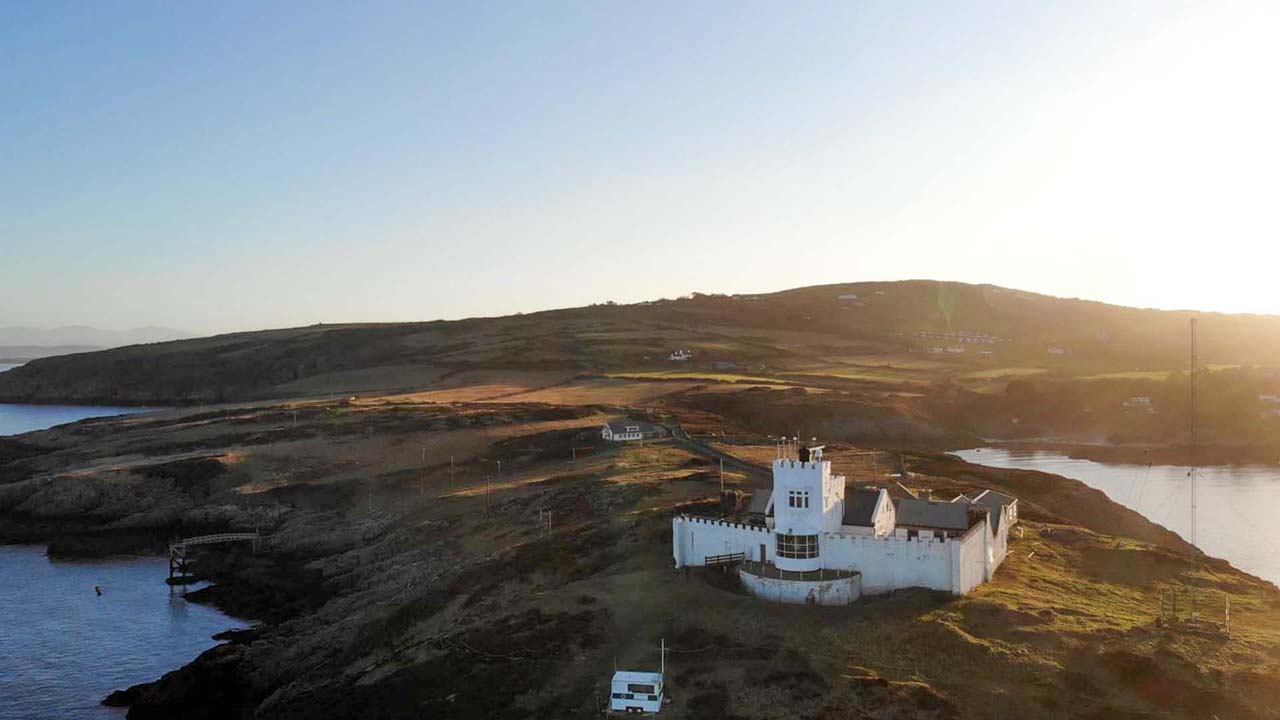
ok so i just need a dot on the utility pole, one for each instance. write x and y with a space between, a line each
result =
722 476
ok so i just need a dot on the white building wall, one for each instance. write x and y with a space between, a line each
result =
892 562
973 560
886 515
955 565
694 539
841 591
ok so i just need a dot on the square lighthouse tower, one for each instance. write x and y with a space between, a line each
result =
807 502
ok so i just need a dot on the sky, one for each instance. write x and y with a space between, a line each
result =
240 165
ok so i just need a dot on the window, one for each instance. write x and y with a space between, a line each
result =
798 498
913 534
798 547
642 689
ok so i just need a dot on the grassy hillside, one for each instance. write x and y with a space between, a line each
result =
943 358
401 585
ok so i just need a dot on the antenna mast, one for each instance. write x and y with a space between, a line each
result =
1193 458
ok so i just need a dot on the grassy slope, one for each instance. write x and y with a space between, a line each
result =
429 605
806 334
867 351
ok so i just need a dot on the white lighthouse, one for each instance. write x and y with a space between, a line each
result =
808 501
809 540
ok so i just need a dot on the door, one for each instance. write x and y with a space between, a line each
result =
762 552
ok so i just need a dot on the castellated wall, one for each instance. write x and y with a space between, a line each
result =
693 539
892 562
955 565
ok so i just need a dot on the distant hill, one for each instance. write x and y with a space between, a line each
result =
23 353
86 337
896 337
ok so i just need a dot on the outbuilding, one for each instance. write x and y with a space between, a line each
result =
636 692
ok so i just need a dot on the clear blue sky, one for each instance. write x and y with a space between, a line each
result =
234 165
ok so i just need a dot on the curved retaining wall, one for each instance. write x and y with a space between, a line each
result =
841 591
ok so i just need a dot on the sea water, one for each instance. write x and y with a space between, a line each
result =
63 647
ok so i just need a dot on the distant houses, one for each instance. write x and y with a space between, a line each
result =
973 337
680 355
1140 403
630 430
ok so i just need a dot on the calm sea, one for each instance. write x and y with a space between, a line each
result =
16 419
1237 507
63 647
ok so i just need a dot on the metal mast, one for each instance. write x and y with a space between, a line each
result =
1193 459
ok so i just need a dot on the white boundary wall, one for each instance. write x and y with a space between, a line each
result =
693 539
955 565
841 591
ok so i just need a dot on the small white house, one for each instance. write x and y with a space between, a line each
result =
1140 403
630 430
847 296
636 692
680 355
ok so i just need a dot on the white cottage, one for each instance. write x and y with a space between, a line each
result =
628 430
814 542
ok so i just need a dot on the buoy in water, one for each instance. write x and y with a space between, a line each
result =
98 589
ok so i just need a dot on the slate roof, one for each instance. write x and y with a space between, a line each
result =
759 502
994 501
860 506
931 514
